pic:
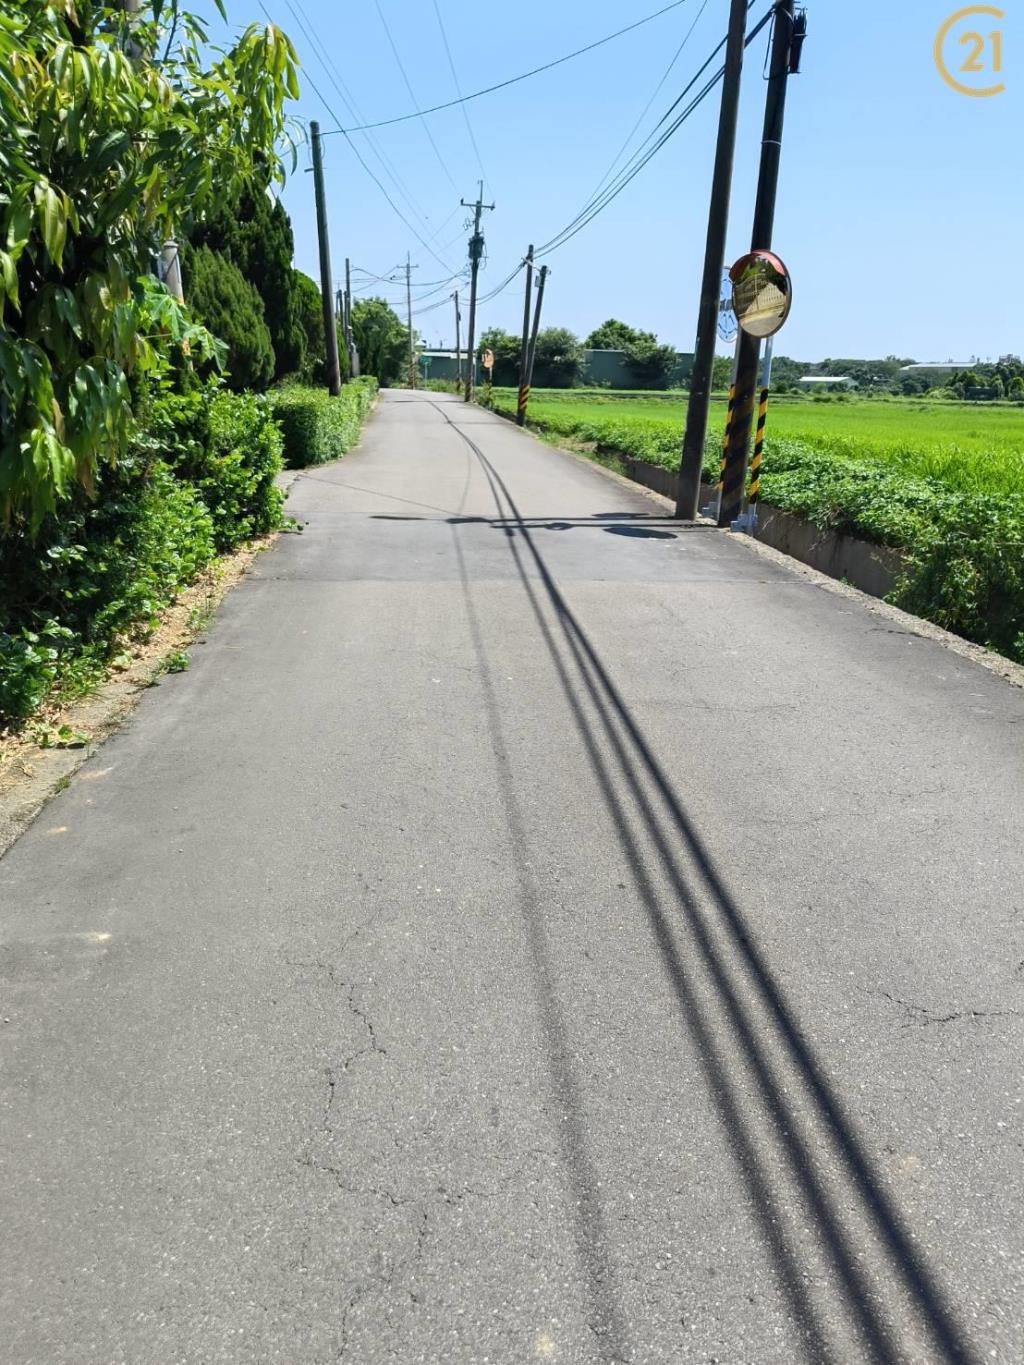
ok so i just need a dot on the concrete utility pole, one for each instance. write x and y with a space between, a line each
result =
408 303
533 335
476 250
326 285
734 474
170 269
714 258
347 319
458 352
524 352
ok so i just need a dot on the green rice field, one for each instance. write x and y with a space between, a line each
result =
974 448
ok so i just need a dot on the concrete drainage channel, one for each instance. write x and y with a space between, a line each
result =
873 569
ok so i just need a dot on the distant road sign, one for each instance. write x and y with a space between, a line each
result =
488 359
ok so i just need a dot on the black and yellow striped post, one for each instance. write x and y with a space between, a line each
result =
725 438
734 475
754 489
521 405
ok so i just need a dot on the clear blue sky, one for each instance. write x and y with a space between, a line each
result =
901 201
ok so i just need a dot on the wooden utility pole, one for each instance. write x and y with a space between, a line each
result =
476 250
458 353
734 474
524 351
326 284
714 258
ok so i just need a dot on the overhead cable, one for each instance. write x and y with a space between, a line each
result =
514 80
412 95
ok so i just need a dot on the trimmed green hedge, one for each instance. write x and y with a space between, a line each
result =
229 447
317 427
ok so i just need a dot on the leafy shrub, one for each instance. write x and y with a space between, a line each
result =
94 573
102 156
558 358
965 551
199 479
317 427
230 448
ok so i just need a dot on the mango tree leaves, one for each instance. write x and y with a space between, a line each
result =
111 143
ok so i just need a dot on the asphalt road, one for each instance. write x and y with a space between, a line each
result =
531 930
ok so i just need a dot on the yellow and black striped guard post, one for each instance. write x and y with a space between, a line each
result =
725 438
734 473
755 464
524 398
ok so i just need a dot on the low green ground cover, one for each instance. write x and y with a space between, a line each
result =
942 482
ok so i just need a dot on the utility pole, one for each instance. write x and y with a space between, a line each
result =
347 319
326 285
734 475
476 250
524 353
714 258
408 303
533 335
170 270
458 352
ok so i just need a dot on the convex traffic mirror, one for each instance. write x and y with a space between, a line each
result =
762 293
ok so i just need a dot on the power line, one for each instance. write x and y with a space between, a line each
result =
591 211
426 127
500 289
335 78
340 88
640 158
640 151
637 162
425 292
654 95
458 91
514 80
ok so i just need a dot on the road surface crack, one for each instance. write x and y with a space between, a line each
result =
383 1282
920 1016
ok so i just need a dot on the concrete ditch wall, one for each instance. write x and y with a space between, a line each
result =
872 568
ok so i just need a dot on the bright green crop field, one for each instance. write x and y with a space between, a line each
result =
974 448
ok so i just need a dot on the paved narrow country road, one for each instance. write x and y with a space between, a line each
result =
532 930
